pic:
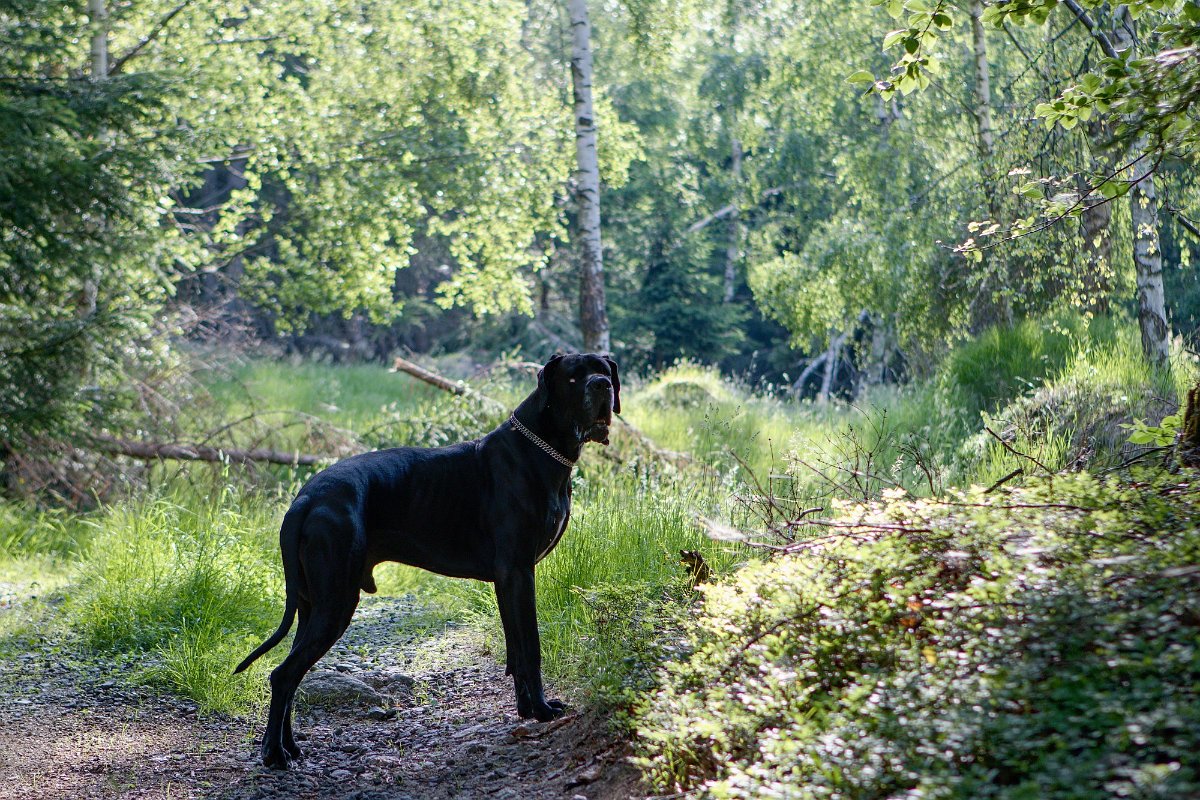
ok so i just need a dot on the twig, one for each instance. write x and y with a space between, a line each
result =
1004 480
1016 452
148 38
1131 461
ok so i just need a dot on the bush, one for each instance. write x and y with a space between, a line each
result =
192 582
1037 644
1003 363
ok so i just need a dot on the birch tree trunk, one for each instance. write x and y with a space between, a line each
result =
988 311
593 313
983 91
1147 260
1143 213
735 225
98 13
832 356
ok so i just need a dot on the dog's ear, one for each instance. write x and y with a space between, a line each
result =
545 375
616 381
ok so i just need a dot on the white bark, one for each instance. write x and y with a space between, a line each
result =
98 12
593 314
987 149
832 356
732 250
1147 260
1143 214
983 92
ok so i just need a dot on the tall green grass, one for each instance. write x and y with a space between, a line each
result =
190 580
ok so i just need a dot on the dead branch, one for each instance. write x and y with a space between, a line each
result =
1004 480
149 451
445 384
1010 449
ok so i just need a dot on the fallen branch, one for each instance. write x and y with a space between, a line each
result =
1010 449
445 384
149 451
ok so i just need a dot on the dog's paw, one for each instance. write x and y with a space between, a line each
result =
275 757
550 709
293 751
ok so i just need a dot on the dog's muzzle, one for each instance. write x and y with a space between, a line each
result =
599 402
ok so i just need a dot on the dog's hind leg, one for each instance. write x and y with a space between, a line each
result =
304 610
325 626
332 597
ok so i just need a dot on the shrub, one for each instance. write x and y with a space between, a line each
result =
191 582
1035 644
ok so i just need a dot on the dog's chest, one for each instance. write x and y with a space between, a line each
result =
557 515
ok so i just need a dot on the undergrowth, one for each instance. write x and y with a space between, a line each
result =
190 579
1040 643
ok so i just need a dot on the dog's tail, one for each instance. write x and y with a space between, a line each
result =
289 547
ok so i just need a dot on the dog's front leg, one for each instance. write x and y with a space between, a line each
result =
518 613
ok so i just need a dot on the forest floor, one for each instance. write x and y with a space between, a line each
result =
76 727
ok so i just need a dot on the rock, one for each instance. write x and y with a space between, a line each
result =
341 774
334 690
383 761
379 714
589 775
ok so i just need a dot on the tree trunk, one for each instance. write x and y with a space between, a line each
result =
1143 213
832 357
1147 259
99 16
983 92
593 313
988 312
735 224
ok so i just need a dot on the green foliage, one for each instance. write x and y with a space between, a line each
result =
190 581
1003 363
1033 643
82 250
1161 435
1142 100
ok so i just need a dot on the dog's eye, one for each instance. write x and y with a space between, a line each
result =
572 380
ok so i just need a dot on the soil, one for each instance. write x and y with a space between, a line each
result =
448 729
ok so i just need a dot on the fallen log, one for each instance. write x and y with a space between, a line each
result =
445 384
150 451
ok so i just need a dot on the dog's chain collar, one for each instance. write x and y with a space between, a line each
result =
533 437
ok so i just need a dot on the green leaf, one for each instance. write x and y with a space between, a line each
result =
892 37
861 76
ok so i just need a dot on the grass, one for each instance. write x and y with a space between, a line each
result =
351 396
189 578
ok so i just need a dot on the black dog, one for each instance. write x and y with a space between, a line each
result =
488 509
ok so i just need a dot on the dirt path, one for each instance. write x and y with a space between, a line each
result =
78 730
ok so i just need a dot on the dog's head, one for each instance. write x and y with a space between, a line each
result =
582 391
